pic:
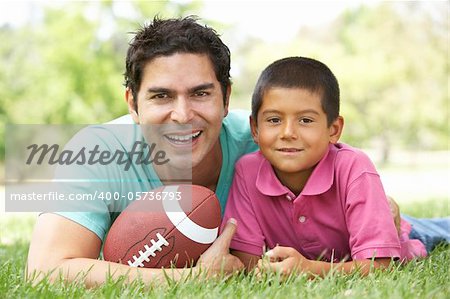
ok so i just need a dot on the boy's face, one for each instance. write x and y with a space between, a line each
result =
292 131
182 89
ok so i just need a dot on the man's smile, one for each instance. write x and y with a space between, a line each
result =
183 138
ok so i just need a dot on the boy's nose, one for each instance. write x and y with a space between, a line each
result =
288 131
182 112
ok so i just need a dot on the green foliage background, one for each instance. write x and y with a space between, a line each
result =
65 66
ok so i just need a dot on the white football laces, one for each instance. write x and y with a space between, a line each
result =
149 251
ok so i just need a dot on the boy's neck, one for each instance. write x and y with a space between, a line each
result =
294 182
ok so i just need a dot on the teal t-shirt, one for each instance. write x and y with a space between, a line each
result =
121 133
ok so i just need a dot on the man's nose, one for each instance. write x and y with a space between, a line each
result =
182 112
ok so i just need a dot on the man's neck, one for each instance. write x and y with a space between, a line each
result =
207 172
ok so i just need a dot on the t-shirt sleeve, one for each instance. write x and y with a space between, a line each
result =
96 222
248 237
370 223
83 184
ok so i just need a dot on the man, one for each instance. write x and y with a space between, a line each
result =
177 73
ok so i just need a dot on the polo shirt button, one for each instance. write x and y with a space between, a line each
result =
288 197
302 219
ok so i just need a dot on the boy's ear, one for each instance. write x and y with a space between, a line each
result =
254 129
131 105
336 129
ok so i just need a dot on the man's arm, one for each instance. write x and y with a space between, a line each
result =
60 246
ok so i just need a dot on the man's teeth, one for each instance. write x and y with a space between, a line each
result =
183 138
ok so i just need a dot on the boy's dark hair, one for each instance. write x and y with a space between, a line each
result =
299 72
170 36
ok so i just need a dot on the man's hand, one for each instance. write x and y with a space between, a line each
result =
217 258
283 260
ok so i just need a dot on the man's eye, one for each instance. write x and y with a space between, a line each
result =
160 96
201 93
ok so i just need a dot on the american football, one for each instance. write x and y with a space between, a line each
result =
167 237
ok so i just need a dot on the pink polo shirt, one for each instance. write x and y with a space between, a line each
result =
341 214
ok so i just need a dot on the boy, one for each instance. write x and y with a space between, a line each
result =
320 200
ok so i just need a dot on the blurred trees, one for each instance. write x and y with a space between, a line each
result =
66 64
391 59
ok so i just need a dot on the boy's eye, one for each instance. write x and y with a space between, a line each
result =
274 120
305 120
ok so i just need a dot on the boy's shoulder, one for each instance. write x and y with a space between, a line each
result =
348 157
346 151
251 160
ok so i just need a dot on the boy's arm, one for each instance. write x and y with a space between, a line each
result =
287 260
249 260
62 247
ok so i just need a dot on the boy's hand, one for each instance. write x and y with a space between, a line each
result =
217 258
283 260
395 211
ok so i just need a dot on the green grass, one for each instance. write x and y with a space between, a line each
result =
427 278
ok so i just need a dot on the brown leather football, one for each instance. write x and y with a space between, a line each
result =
169 226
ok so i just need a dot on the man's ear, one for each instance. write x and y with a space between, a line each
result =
131 105
227 100
254 129
336 129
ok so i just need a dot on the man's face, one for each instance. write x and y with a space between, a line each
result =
182 89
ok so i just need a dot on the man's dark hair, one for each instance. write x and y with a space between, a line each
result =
300 72
170 36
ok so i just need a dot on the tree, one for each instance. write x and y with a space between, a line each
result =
66 66
391 62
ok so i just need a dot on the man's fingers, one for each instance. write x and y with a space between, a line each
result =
225 237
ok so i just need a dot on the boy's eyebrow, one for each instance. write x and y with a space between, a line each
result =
300 112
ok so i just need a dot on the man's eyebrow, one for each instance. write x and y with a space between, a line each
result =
201 87
190 90
158 89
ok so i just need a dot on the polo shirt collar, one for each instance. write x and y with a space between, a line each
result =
322 177
266 180
319 182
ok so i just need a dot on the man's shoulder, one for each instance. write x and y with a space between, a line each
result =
236 124
124 119
119 132
237 121
236 137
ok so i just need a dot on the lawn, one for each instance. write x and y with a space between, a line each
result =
428 278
